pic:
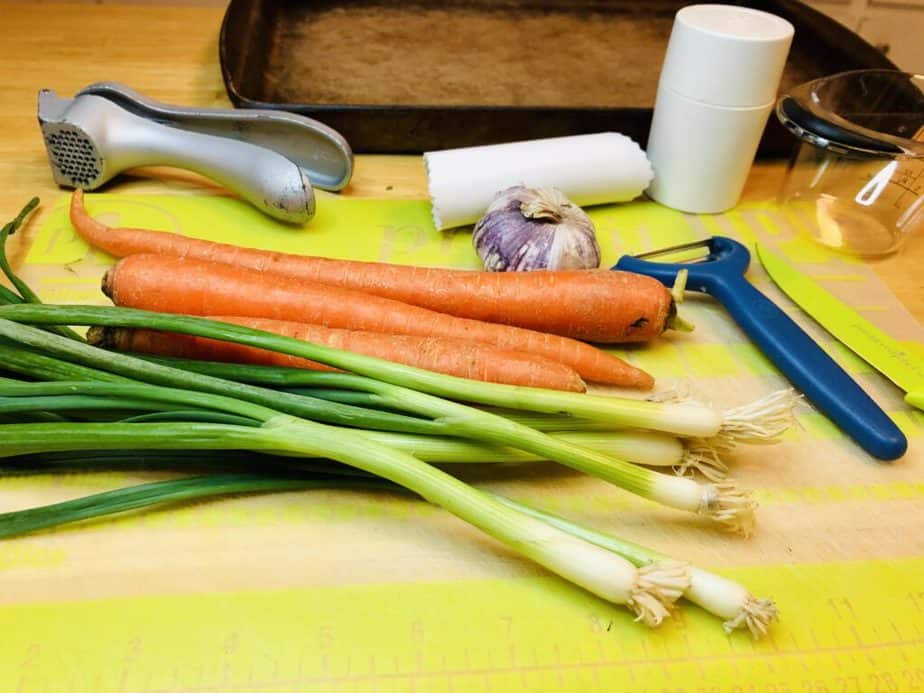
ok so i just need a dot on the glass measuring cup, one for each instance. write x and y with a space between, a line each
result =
856 181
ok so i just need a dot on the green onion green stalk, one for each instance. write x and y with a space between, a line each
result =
758 422
640 447
396 384
601 572
716 594
649 591
723 502
25 295
29 362
651 448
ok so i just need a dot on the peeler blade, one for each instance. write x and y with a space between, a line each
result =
670 250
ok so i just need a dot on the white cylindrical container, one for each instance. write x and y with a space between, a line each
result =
717 88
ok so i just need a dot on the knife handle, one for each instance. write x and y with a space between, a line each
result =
809 368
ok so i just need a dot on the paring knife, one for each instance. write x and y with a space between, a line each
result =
853 330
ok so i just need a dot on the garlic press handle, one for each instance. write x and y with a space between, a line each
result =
320 151
810 369
263 177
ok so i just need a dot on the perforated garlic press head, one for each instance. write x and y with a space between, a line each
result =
108 129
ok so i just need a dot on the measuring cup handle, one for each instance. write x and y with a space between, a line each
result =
810 369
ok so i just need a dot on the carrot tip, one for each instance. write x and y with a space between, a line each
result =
100 337
106 283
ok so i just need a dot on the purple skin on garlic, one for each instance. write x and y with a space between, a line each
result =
535 228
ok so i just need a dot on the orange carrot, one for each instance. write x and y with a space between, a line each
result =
464 359
196 287
594 305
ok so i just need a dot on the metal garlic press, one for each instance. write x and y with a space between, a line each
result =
272 159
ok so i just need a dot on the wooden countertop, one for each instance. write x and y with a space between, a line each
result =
64 47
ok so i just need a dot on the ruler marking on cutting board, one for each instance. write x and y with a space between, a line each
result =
827 627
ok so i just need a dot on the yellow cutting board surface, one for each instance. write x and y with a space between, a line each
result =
344 591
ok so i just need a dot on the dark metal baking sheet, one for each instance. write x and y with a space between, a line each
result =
406 77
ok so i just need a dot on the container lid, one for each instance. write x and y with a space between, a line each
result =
726 55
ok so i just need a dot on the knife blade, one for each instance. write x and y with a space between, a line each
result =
866 340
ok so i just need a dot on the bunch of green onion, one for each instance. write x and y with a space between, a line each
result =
384 423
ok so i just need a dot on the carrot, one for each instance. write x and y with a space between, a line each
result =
463 359
594 305
196 287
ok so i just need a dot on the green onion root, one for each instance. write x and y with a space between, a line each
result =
758 422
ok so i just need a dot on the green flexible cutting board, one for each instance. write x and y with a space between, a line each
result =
339 591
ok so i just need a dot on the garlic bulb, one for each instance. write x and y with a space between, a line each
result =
535 228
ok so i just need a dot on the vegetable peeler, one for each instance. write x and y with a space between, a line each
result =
269 158
721 275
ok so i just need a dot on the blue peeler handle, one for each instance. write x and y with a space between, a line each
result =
800 359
